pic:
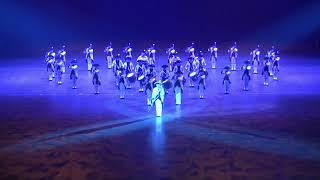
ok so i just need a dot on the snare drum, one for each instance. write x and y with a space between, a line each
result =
141 78
50 61
167 84
180 78
131 77
193 76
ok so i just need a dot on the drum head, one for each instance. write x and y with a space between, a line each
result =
167 84
193 74
140 77
130 75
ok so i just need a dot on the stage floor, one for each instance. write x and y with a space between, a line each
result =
54 132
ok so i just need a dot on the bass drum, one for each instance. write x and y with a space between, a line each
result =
193 76
131 77
167 84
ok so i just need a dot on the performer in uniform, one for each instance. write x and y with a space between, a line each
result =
266 71
246 75
50 61
165 75
129 68
116 66
58 70
233 56
128 51
149 88
202 74
51 52
122 82
151 71
190 67
178 69
171 51
96 78
196 63
177 64
226 79
74 75
109 55
62 54
152 54
255 59
178 87
158 98
89 56
213 55
190 51
140 71
271 54
202 61
275 66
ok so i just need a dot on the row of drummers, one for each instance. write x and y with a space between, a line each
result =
149 55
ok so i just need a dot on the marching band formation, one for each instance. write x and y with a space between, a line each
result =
173 74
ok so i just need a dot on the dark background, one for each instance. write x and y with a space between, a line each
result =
30 27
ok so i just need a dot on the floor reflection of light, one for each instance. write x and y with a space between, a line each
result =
159 124
158 138
178 111
158 141
253 140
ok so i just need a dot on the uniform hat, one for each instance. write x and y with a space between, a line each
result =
96 65
164 66
179 73
149 75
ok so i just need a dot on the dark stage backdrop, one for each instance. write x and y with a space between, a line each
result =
30 27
